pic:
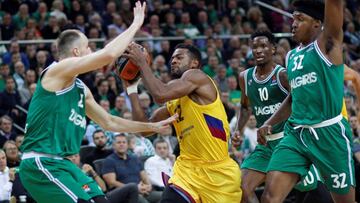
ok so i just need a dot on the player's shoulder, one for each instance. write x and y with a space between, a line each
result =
279 67
244 72
194 75
195 71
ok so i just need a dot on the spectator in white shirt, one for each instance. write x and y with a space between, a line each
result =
7 176
168 136
250 132
162 161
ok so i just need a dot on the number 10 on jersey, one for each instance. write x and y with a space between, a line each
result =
263 93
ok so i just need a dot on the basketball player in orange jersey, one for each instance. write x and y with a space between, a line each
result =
203 172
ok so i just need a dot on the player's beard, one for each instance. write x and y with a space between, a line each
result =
101 145
178 72
175 75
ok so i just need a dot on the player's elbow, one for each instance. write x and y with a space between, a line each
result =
107 56
106 123
110 56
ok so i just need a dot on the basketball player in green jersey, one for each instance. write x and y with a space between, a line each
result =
265 86
316 132
56 120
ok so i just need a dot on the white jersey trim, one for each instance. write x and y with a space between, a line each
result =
349 153
63 91
322 56
266 79
299 48
282 88
287 58
81 84
245 81
55 180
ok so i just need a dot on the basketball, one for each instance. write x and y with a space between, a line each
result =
127 70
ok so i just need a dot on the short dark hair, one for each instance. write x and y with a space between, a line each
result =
101 81
313 8
66 40
159 140
6 117
121 135
97 131
264 33
9 77
194 52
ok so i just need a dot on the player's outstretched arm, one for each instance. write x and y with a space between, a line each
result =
137 111
330 40
73 66
117 124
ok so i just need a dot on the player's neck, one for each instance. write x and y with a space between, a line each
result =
309 41
265 69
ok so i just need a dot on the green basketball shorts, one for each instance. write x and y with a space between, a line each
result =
54 180
326 145
259 160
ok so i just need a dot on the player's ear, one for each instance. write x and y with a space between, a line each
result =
76 52
317 24
194 63
273 49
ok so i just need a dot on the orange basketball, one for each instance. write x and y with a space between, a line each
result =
127 70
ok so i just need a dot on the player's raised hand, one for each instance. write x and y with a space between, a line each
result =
139 13
262 132
162 125
236 139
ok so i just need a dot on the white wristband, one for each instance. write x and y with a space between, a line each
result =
133 88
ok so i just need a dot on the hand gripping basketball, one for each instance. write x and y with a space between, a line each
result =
126 68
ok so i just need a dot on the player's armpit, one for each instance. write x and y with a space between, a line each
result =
284 80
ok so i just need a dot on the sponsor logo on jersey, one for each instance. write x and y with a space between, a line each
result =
77 119
86 188
266 110
273 80
303 80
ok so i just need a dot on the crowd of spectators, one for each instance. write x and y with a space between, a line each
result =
222 58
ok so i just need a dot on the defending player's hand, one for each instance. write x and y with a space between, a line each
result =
135 53
162 125
139 13
262 132
237 139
